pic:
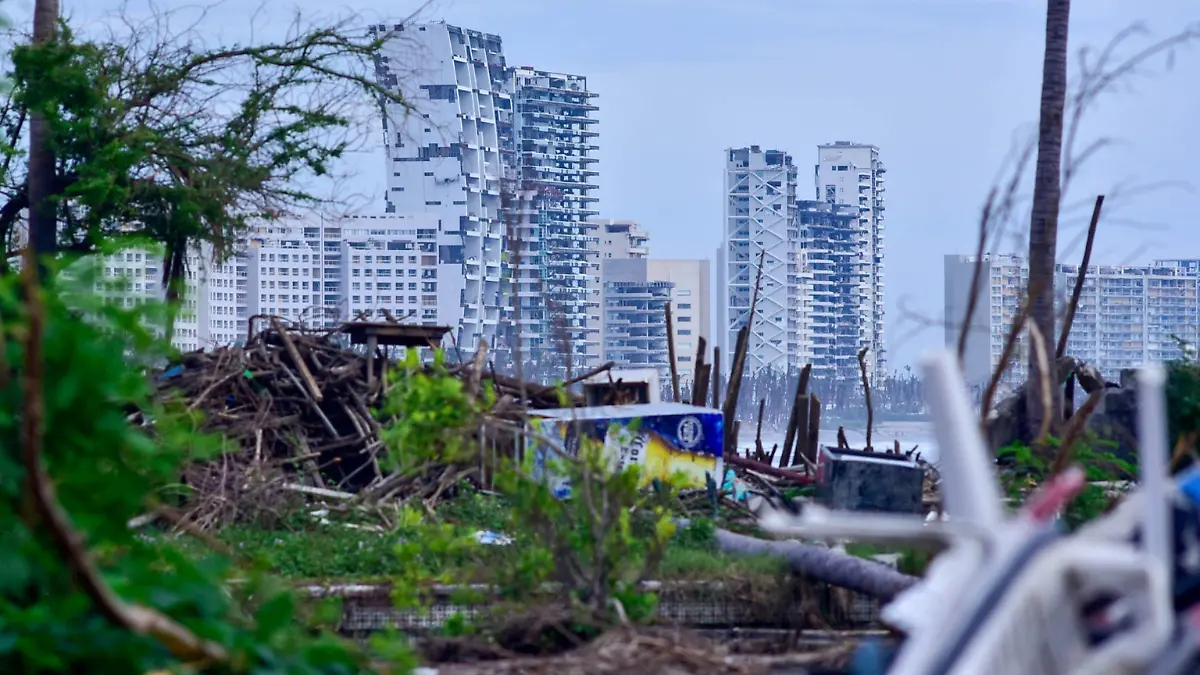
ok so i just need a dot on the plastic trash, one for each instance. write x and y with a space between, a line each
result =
734 485
488 538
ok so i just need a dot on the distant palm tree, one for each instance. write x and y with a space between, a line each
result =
1047 189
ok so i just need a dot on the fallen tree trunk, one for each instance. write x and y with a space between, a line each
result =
822 564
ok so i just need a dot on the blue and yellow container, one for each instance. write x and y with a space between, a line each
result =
666 439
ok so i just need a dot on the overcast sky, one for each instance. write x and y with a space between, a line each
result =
945 88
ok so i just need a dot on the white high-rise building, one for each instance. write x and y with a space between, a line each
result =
208 314
760 215
316 273
852 174
323 272
691 307
1128 316
621 239
448 158
634 290
555 165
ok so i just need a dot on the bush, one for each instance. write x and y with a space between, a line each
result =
106 470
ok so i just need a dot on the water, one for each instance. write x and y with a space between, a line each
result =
909 433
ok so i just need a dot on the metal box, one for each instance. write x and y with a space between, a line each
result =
854 480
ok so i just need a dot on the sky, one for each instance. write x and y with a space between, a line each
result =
948 89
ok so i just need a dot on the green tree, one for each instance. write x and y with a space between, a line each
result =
158 135
80 591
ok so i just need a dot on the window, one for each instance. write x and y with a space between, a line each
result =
685 319
685 305
683 293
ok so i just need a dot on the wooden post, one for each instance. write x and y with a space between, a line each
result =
735 381
700 385
1069 396
671 353
758 446
715 389
814 427
793 427
372 345
802 448
699 373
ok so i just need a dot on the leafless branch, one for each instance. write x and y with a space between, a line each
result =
1073 304
1045 378
862 366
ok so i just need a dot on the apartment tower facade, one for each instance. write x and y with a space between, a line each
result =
555 169
852 174
760 222
450 157
1127 316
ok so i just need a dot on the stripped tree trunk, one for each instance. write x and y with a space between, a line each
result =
43 221
1043 226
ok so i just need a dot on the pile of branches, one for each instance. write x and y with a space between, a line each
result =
298 408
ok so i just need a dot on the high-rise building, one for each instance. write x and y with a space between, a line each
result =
833 266
448 157
1127 316
555 165
634 291
621 239
316 274
852 174
691 306
208 313
760 221
634 324
326 271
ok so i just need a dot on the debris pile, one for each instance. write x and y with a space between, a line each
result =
298 406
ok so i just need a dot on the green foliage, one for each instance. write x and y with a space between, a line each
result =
427 413
1183 396
1026 469
106 471
159 136
587 542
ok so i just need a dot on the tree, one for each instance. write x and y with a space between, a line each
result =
1043 226
41 153
160 136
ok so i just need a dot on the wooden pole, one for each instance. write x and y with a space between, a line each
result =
671 353
715 389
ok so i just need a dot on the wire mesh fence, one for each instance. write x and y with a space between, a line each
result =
784 602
